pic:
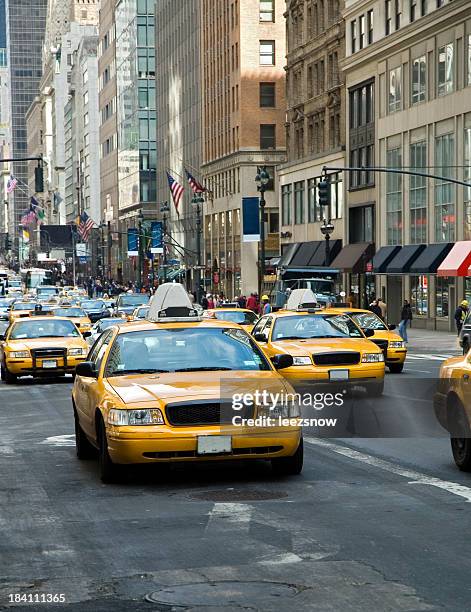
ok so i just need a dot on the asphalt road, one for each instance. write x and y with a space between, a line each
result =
371 524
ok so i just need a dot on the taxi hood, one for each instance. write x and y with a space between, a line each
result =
37 343
187 386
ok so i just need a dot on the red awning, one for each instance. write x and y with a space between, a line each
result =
458 260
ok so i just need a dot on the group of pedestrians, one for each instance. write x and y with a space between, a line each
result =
379 307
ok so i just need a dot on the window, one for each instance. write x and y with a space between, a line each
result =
370 26
397 14
85 98
314 212
286 205
445 69
388 19
467 178
395 89
267 10
394 198
412 10
468 62
353 35
444 191
419 72
267 53
85 119
418 194
442 290
267 137
361 28
419 295
299 202
361 135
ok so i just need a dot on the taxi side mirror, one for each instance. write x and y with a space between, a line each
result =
2 337
260 337
86 334
282 361
369 333
86 369
391 327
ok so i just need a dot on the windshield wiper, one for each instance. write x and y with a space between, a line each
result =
138 371
202 369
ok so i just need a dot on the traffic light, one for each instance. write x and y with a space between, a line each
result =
7 243
324 192
38 179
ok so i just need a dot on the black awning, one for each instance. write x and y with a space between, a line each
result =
305 252
383 257
288 254
353 257
404 259
318 257
431 258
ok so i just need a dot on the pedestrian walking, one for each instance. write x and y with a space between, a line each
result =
375 308
406 318
460 315
266 306
252 303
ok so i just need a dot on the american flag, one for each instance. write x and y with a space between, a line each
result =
84 225
176 190
196 186
12 183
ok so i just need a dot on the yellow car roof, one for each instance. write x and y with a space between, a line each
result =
143 325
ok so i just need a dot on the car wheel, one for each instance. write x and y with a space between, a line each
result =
375 389
83 448
460 437
7 376
289 466
465 347
396 368
109 471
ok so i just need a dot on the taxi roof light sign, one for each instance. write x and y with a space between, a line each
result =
171 303
302 299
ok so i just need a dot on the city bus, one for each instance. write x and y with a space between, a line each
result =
35 277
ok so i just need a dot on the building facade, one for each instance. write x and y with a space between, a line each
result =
178 91
243 81
408 76
5 133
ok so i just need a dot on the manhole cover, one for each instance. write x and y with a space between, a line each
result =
222 593
228 495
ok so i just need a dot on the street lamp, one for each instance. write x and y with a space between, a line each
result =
164 209
140 249
198 201
324 191
262 179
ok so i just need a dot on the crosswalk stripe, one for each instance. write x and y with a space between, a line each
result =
435 357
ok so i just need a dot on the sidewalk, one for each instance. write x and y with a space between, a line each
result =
431 341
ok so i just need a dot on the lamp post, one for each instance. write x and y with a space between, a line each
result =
262 179
324 191
164 209
198 201
327 229
140 250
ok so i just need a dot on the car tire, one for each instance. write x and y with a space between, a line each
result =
289 466
460 436
8 377
375 389
465 347
109 471
83 447
396 368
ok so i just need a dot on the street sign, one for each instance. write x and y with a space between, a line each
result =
133 242
157 244
250 220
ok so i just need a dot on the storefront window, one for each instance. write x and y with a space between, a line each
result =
442 289
419 295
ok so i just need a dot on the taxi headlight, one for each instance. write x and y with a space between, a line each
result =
397 344
302 361
77 351
289 410
372 357
19 354
135 417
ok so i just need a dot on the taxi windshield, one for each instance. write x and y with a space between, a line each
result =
368 321
92 304
70 312
315 326
133 300
43 329
242 318
184 350
23 306
142 313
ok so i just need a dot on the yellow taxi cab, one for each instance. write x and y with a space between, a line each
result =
326 347
452 406
21 310
242 316
40 346
75 314
392 345
163 390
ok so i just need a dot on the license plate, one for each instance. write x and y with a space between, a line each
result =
213 445
339 374
50 363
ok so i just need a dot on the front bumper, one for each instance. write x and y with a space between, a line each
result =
164 444
357 374
394 356
26 367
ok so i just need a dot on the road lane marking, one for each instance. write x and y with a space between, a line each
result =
65 440
414 477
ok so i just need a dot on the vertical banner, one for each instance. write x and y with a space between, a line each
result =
157 233
133 242
250 220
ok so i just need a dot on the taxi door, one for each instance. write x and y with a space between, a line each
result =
86 389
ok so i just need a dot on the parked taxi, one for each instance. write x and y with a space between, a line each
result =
75 314
157 391
41 346
242 316
325 346
391 343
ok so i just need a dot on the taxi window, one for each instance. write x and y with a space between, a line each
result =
43 329
96 348
260 325
23 306
368 321
234 316
184 350
69 312
315 326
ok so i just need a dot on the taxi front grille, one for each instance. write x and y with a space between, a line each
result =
204 413
249 450
49 353
338 358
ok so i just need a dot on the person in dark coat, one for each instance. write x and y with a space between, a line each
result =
375 307
460 315
406 318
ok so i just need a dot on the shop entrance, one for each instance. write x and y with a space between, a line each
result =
394 298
